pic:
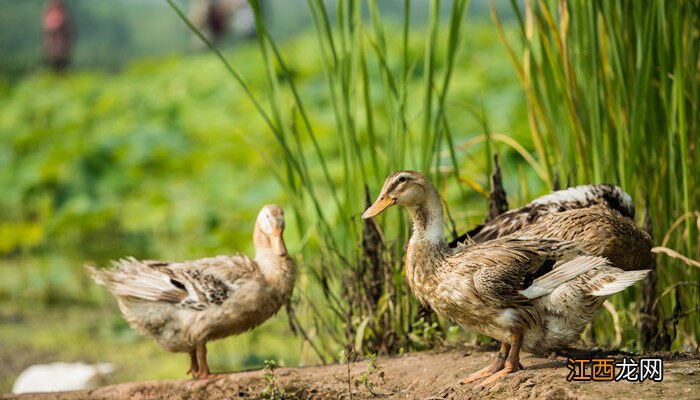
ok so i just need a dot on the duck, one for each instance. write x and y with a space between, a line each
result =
598 218
184 305
531 293
573 198
601 231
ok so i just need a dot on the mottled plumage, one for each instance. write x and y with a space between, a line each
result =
575 198
598 230
183 305
528 291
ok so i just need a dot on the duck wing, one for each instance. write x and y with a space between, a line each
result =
511 271
197 284
572 198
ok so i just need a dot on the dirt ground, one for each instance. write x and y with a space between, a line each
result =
422 376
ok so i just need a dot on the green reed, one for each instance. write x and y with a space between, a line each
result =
612 96
362 282
611 93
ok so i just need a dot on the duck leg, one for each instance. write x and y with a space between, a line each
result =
512 363
492 368
194 365
203 371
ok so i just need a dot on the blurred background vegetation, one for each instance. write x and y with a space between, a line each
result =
148 147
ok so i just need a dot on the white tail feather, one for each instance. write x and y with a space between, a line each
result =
136 280
621 281
96 275
561 274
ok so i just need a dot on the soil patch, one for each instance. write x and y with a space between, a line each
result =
424 376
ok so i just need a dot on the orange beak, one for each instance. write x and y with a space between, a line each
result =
382 203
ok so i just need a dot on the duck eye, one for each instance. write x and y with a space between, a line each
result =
402 179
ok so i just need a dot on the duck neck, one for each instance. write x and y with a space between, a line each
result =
427 247
279 271
428 221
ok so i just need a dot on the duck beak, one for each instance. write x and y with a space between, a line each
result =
278 245
382 203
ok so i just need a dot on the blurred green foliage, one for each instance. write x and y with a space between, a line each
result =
164 159
94 164
108 33
112 33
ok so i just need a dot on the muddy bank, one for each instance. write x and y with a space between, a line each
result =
430 375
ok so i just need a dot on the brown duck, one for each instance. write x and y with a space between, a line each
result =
573 198
529 292
183 305
598 218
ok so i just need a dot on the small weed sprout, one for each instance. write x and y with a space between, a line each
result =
271 391
348 357
366 378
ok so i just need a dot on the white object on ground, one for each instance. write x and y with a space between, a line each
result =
60 376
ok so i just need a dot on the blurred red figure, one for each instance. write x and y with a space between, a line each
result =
57 35
215 18
218 19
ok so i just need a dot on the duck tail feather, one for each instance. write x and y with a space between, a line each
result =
562 274
100 276
621 281
131 278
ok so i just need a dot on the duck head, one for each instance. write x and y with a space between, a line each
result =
414 191
269 227
406 188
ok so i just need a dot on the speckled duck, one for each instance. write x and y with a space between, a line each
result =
184 305
530 292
